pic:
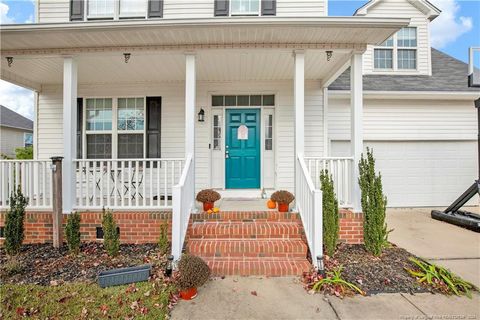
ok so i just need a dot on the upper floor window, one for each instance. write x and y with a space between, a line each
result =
398 52
245 7
114 9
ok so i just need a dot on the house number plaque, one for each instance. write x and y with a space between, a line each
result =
242 132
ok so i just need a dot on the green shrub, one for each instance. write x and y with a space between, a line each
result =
163 243
14 229
374 204
111 237
330 213
12 267
25 153
72 232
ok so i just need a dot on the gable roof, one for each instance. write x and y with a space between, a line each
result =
448 74
425 6
9 118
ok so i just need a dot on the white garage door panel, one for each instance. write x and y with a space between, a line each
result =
426 173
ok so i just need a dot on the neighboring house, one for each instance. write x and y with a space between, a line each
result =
149 102
16 131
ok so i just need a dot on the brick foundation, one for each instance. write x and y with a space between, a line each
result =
351 227
135 227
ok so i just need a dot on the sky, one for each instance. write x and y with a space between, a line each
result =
453 32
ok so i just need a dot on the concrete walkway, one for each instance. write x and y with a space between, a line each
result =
285 298
444 244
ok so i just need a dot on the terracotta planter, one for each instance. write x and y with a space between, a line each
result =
207 206
188 294
283 207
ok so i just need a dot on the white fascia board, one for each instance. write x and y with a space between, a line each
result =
425 95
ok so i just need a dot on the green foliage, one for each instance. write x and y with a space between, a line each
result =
72 232
440 278
194 272
163 243
336 283
24 153
111 238
14 229
374 205
12 267
330 213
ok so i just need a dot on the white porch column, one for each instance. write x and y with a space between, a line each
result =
69 132
299 100
356 139
190 98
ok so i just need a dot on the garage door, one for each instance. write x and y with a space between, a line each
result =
422 173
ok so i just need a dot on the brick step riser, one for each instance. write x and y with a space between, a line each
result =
280 248
259 268
259 216
245 231
235 255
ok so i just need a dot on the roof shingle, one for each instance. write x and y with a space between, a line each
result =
9 118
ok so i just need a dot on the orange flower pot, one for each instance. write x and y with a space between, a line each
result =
188 294
283 207
207 206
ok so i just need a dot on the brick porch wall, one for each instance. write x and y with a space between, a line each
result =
351 227
135 227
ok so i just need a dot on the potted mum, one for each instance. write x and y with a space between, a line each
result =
283 198
208 198
193 273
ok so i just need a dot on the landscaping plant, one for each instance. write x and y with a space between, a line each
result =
208 198
111 237
330 213
374 204
440 278
335 284
283 198
14 229
72 232
194 272
163 243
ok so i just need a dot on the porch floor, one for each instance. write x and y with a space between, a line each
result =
235 204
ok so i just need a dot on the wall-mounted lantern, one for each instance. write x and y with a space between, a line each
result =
201 115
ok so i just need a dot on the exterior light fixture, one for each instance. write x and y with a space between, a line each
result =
127 56
201 115
321 268
9 61
169 267
329 55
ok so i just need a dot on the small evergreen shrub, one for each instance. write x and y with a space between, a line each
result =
330 213
111 236
72 232
374 204
14 229
163 243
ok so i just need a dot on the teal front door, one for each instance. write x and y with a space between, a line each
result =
242 149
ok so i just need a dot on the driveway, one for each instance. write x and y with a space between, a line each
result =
450 246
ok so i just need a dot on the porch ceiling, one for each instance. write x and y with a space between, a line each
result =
212 65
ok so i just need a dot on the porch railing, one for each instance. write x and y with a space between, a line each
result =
341 169
309 205
126 183
183 204
34 178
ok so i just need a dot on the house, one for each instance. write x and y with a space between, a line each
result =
16 131
149 102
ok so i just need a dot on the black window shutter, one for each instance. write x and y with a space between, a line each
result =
155 8
269 7
154 127
79 127
221 8
76 10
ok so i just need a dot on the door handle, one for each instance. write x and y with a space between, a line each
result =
227 154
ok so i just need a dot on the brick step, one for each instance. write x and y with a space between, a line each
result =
273 267
246 216
248 248
245 230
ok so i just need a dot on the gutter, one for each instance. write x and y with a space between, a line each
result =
410 95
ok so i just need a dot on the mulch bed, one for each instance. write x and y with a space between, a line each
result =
385 273
44 265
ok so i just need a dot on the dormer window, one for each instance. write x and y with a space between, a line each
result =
398 52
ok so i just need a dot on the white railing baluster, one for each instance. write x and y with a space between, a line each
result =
165 183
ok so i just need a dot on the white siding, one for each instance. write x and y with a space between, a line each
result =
403 9
301 8
10 139
59 10
173 137
53 11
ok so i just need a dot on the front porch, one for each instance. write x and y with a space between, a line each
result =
124 151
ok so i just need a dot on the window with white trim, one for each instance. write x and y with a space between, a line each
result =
130 126
217 132
115 9
399 52
269 132
244 7
28 139
98 128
